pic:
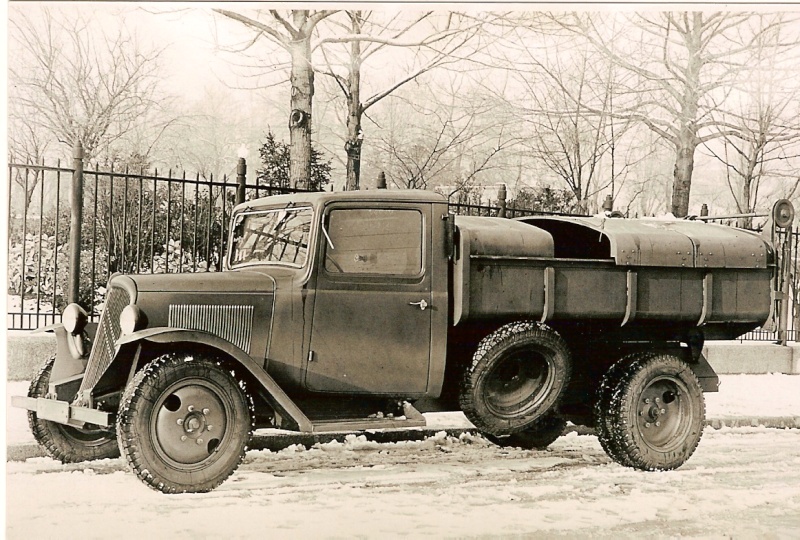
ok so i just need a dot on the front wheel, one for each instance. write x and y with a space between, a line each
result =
67 444
184 423
656 416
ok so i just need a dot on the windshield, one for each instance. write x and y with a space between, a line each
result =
274 236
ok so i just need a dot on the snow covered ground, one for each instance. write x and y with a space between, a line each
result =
741 483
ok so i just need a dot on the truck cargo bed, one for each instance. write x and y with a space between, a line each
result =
627 272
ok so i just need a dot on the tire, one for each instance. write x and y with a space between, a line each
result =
518 374
538 437
65 443
656 414
184 423
605 393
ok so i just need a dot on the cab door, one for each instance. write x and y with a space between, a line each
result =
371 329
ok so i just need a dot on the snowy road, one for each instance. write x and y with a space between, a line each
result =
741 483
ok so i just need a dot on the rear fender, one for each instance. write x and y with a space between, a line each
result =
133 344
706 376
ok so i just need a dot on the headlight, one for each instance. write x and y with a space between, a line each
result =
74 319
132 319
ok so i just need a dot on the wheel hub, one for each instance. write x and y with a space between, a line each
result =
662 414
190 423
517 384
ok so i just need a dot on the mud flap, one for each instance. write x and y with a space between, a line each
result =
709 381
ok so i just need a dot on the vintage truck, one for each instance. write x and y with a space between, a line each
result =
360 310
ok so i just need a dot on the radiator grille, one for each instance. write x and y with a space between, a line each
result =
108 332
232 323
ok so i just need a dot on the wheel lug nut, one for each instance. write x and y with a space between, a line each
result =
663 411
180 421
647 424
199 441
658 424
206 411
209 428
647 400
657 400
184 437
190 408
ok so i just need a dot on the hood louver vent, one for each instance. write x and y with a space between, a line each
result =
232 323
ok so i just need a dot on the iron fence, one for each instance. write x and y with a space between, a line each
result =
786 244
131 223
151 223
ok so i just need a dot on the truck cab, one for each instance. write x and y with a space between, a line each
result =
361 299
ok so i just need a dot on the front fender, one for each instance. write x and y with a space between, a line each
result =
49 328
278 399
167 334
71 355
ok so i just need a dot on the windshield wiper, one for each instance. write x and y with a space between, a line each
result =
327 237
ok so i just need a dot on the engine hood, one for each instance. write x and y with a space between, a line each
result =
252 282
236 306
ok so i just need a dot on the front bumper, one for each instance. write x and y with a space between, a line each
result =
62 412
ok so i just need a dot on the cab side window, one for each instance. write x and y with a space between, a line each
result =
373 241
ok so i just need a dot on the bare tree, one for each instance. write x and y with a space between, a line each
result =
293 32
686 64
206 137
78 82
368 34
445 135
568 108
26 144
763 136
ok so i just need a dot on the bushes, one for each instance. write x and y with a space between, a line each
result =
181 235
42 269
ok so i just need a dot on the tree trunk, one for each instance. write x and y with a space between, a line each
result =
354 111
686 142
682 175
302 92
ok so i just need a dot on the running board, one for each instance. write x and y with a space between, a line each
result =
413 418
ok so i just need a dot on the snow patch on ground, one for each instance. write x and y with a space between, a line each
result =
755 395
741 483
443 487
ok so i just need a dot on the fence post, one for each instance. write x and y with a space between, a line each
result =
501 200
241 174
76 204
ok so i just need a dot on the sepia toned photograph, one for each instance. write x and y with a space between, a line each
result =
402 270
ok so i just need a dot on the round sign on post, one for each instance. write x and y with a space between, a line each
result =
783 213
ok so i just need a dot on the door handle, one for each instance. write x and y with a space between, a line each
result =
422 304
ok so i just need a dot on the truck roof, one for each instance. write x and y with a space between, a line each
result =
323 197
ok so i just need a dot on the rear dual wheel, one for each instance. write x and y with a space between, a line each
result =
650 412
183 424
